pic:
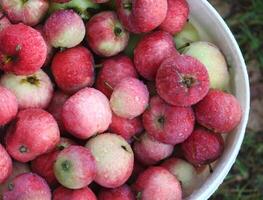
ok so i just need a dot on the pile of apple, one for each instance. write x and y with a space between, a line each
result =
108 100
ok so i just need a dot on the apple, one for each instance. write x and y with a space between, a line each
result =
29 12
4 21
114 159
68 194
121 193
105 34
31 91
6 165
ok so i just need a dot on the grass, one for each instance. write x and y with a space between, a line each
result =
245 181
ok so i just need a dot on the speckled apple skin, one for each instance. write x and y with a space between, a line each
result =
28 186
73 69
34 129
64 28
130 98
30 12
203 147
43 164
158 179
86 113
169 82
176 17
55 107
68 194
113 71
219 111
184 172
101 35
82 167
178 122
9 107
29 95
151 51
5 165
150 151
214 61
29 40
127 128
121 193
144 16
106 148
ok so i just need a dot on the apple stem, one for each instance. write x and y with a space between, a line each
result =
108 85
182 48
127 6
10 186
211 170
7 59
136 138
99 65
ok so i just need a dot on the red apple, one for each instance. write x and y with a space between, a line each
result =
126 128
166 123
151 51
140 16
73 69
6 165
62 193
43 165
10 106
32 91
157 183
129 98
86 113
114 159
121 193
105 34
75 167
29 12
27 186
150 151
34 132
64 28
113 71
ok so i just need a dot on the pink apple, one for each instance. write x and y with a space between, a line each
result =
75 167
86 113
129 98
62 193
10 106
105 34
121 193
33 133
6 165
114 159
113 71
4 21
32 91
150 151
29 12
64 28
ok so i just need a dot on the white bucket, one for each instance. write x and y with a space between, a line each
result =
211 22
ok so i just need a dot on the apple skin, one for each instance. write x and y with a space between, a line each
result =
32 91
64 28
4 21
150 151
127 128
184 172
141 16
10 108
43 164
214 61
18 168
86 113
75 167
55 108
151 51
111 173
27 186
29 12
33 133
121 193
129 98
157 179
168 124
105 34
73 69
6 165
68 194
113 71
